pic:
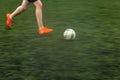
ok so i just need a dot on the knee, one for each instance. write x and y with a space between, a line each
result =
41 5
24 8
38 5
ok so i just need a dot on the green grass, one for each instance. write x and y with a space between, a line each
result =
93 55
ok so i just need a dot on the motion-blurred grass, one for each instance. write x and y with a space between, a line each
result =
93 55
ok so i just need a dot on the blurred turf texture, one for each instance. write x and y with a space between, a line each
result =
93 55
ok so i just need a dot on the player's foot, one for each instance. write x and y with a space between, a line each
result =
44 30
9 21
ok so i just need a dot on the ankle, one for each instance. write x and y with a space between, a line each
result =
41 27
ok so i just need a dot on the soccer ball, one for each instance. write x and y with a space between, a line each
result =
69 34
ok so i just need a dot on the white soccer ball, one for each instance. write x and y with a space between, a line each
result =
69 34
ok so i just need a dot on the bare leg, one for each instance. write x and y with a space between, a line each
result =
38 5
20 9
42 29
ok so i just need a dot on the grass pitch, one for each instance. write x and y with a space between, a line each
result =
93 55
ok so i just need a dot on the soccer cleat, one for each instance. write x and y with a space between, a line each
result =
44 30
9 21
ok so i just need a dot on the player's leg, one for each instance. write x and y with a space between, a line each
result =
42 29
19 10
38 5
